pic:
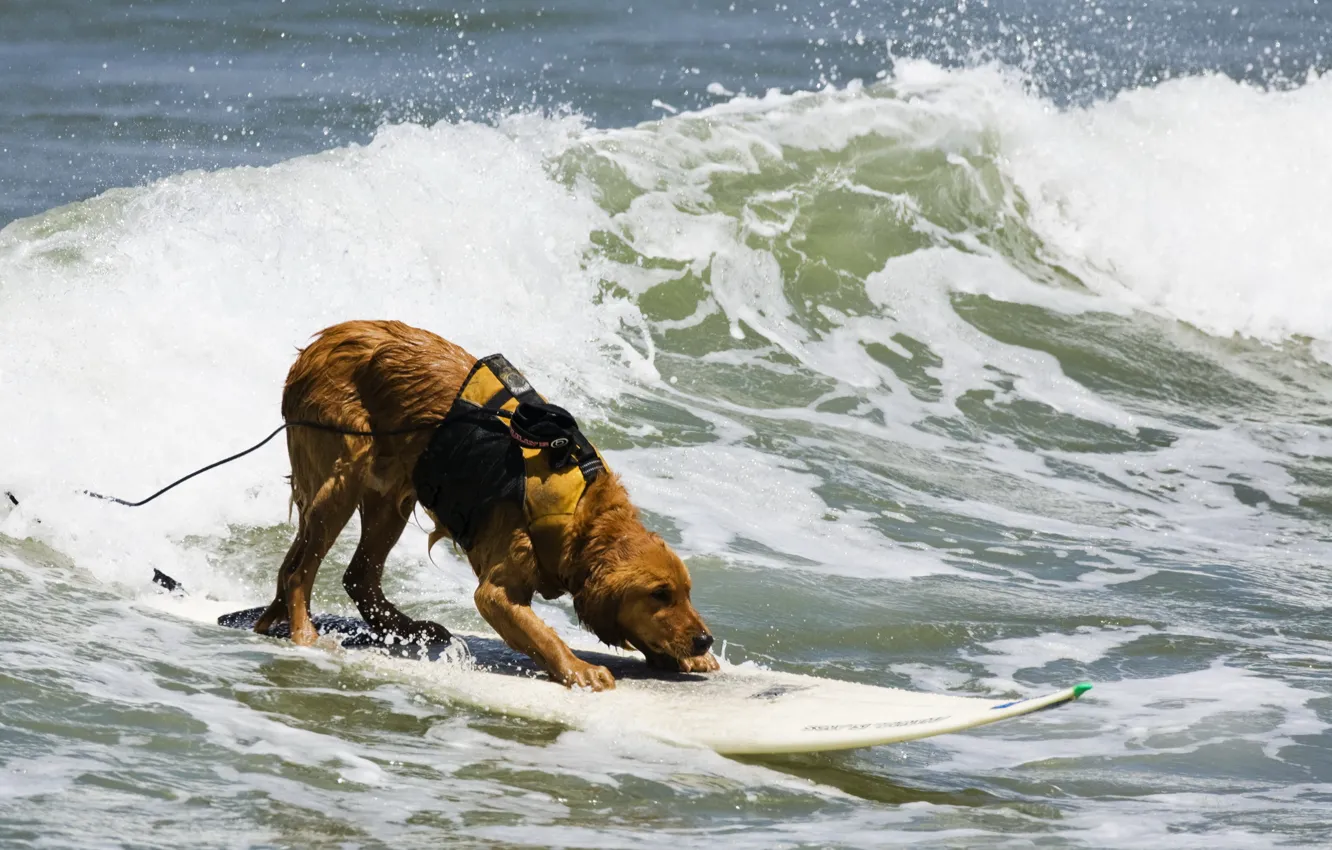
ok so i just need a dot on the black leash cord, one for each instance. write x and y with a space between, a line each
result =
318 426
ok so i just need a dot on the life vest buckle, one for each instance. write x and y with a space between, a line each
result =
540 425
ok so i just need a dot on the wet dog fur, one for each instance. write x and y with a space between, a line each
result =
628 587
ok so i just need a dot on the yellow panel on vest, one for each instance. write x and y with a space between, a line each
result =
551 492
482 387
551 498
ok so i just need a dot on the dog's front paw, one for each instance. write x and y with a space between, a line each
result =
706 663
696 664
584 675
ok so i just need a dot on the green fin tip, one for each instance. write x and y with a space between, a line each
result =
1079 690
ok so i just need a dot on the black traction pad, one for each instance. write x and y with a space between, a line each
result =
352 633
490 653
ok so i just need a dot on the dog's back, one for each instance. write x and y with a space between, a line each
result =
385 375
362 376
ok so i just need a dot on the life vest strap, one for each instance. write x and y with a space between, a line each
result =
501 440
536 423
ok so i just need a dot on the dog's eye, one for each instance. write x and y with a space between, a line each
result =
662 594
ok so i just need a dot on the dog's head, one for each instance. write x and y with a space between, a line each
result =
637 593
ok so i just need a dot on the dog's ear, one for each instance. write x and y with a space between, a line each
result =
597 605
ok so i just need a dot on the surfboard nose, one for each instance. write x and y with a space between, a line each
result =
702 643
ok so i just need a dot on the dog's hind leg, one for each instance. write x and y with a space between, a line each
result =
382 521
328 514
277 609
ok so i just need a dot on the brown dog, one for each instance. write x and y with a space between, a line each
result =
627 585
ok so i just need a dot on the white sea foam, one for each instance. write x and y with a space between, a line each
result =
1176 713
722 495
1201 199
149 331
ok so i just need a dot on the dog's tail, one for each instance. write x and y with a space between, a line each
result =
437 534
440 533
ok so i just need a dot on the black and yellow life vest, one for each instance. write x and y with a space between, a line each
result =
501 441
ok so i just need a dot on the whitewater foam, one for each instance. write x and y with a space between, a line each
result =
148 331
1200 199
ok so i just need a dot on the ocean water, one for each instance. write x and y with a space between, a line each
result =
972 347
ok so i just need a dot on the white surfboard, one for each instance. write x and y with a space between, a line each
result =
742 709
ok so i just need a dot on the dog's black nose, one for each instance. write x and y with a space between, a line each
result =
702 643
